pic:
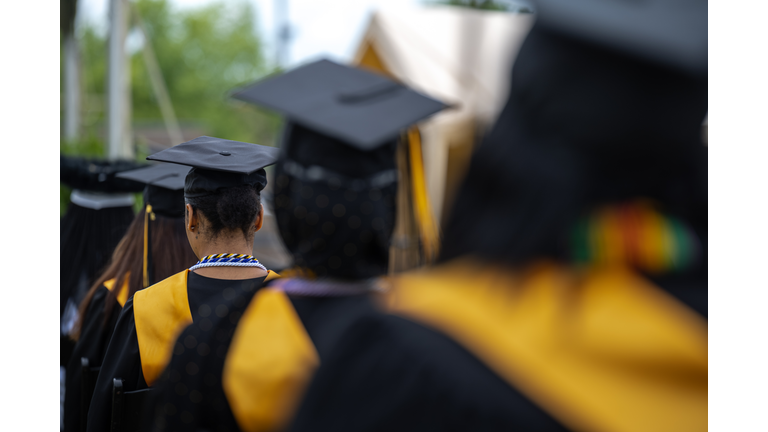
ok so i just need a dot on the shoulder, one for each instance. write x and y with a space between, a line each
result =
96 305
167 297
395 373
164 285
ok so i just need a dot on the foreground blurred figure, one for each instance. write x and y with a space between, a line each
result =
335 206
572 293
154 248
222 212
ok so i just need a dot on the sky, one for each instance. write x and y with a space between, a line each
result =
329 28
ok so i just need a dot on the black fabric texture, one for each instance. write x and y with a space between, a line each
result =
121 360
97 175
202 182
334 228
209 300
92 344
165 202
387 373
87 239
190 397
583 126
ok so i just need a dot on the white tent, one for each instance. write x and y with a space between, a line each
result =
459 55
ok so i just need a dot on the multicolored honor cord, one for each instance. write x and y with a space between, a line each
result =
636 234
228 260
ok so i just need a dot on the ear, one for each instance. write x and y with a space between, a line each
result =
192 220
260 218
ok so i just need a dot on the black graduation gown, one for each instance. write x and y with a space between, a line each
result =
192 398
391 373
123 359
94 338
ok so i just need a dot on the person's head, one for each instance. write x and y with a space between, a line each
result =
335 204
336 182
222 190
584 125
230 214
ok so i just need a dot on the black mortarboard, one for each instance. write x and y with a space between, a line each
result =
360 108
673 32
98 175
218 163
164 190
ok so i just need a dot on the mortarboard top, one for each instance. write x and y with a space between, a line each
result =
164 187
360 108
672 32
162 175
98 175
218 163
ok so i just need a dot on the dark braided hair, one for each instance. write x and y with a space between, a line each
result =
231 208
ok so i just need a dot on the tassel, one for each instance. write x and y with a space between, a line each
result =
147 215
425 220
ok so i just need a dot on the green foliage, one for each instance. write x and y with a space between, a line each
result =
203 55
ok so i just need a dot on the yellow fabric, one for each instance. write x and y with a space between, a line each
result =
269 363
601 350
271 275
423 210
371 60
121 296
161 312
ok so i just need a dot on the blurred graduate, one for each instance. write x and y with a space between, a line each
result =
98 215
335 201
572 288
222 211
154 248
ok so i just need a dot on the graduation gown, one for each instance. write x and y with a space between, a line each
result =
92 344
471 347
249 372
147 328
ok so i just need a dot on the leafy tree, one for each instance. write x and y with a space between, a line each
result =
203 53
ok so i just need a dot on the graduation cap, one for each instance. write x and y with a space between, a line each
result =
164 187
218 163
342 130
163 195
672 32
360 108
98 175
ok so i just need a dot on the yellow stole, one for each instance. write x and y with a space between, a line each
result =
269 363
121 296
161 312
601 350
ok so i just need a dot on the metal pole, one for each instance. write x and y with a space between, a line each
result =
71 88
282 33
116 83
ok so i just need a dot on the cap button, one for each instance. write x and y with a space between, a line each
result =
225 153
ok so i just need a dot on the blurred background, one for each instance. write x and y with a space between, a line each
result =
138 76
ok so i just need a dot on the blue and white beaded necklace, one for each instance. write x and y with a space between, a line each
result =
228 260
